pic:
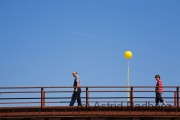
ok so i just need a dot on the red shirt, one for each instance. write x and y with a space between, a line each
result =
159 86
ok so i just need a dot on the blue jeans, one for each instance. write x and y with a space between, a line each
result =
76 95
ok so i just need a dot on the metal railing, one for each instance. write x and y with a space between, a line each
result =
10 95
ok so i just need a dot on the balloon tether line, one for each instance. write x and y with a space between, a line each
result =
128 82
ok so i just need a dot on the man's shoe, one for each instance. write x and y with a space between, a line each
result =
164 103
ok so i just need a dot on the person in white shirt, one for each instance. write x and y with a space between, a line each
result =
77 90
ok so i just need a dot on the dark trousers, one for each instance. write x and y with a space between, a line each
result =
76 95
159 98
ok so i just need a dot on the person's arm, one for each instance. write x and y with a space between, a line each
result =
78 83
157 87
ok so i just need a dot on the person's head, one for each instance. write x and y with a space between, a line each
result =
157 77
74 73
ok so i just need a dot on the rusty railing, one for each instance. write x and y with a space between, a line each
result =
44 96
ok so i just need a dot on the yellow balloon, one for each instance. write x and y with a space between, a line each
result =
128 54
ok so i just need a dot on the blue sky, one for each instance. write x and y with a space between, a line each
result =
37 49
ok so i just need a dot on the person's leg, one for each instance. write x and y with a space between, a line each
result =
73 99
157 99
161 99
79 97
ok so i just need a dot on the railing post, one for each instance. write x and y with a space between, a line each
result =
87 97
131 97
175 98
42 98
177 92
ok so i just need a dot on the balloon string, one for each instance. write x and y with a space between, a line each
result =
128 82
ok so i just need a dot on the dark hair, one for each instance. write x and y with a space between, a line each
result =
157 76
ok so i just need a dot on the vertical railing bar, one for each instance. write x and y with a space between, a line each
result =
131 97
177 92
175 99
87 97
42 98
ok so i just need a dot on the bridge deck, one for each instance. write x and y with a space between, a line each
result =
91 112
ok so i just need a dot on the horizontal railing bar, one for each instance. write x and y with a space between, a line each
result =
82 102
81 97
21 92
152 91
123 97
54 107
18 102
17 107
20 87
60 91
108 91
89 101
35 92
81 91
110 101
93 91
124 91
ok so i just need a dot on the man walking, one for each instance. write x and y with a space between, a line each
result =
159 90
77 90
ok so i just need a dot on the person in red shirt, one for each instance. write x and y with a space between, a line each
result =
159 90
